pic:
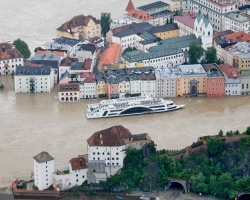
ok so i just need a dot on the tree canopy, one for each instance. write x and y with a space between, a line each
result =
37 48
128 49
21 46
105 22
195 52
210 55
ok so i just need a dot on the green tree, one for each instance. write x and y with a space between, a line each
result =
210 55
128 49
12 74
214 147
221 133
243 185
237 132
198 183
167 22
105 22
21 46
171 20
248 130
37 48
195 52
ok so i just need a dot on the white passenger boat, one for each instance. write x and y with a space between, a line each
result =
130 106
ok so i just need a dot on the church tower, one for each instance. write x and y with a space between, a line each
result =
203 29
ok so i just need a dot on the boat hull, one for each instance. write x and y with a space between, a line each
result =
141 113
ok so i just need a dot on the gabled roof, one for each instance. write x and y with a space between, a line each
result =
68 87
87 64
187 19
43 157
163 28
38 70
110 55
230 72
112 136
78 163
138 14
207 20
130 6
8 52
68 61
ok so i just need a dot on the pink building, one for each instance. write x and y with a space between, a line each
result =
215 82
185 23
112 85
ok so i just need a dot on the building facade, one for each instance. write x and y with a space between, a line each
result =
34 79
232 80
185 23
166 31
215 82
68 92
191 80
43 169
100 84
80 27
10 58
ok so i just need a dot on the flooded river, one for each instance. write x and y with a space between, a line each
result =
31 123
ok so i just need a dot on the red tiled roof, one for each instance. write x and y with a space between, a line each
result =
238 37
94 19
68 87
89 80
33 65
229 71
59 53
112 136
130 6
79 20
110 55
9 53
187 19
78 163
138 14
87 75
87 64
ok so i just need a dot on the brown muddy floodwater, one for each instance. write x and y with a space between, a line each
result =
31 123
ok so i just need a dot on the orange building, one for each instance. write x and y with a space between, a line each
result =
215 82
110 55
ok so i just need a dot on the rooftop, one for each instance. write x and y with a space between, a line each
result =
187 19
67 41
116 76
78 163
154 7
100 77
68 61
58 53
110 55
43 157
76 66
135 73
238 17
212 70
163 28
231 73
7 51
138 14
27 70
87 47
79 20
192 70
166 72
87 64
64 87
113 136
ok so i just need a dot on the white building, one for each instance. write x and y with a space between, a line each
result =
71 174
66 45
148 84
10 58
108 146
204 29
86 51
236 21
232 80
132 36
65 65
166 81
34 79
215 9
88 88
43 169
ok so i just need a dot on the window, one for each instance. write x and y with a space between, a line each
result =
76 175
76 180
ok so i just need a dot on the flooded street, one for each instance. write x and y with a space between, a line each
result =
31 123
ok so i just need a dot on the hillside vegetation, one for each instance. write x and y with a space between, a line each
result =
221 166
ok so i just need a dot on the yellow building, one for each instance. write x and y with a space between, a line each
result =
192 80
100 84
242 61
174 5
80 27
166 31
68 92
